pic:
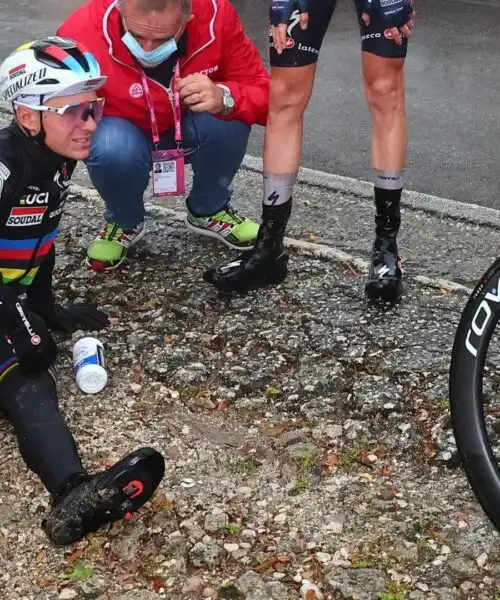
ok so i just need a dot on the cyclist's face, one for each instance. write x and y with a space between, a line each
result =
69 135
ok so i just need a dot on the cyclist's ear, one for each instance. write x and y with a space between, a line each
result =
28 119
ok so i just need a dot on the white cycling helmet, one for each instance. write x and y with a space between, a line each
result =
43 69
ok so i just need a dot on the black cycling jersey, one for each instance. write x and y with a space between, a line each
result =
303 46
33 187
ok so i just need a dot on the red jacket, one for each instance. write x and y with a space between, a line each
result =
217 46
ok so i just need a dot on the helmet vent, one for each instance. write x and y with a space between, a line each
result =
50 61
80 58
48 82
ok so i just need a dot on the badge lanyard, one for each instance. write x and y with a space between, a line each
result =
168 165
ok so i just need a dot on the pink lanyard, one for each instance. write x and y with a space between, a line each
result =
177 108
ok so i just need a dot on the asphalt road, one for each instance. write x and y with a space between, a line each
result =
453 85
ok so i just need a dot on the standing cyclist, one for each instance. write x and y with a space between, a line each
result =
52 85
298 28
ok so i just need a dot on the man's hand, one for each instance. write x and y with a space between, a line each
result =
200 94
398 17
280 12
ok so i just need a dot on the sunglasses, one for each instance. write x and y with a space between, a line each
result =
74 113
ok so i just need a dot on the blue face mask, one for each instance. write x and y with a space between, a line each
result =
154 57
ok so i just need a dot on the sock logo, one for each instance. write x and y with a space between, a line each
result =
273 198
389 180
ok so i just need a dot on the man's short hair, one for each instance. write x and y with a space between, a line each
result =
149 6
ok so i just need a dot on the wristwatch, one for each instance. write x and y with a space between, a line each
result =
227 99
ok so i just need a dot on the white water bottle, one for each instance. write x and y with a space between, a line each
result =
89 365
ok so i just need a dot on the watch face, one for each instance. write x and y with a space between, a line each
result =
229 102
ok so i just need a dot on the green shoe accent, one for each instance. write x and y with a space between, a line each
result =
110 247
229 227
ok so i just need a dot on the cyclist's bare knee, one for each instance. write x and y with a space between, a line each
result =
384 85
290 91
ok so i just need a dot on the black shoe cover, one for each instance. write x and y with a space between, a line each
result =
248 272
385 277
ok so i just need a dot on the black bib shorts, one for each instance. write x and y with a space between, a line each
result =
303 47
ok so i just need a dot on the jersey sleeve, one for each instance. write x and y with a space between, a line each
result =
40 295
6 181
7 194
11 169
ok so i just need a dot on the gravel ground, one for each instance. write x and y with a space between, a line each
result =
307 439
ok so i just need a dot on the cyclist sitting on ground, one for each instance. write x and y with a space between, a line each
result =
52 85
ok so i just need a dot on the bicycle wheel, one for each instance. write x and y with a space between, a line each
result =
470 406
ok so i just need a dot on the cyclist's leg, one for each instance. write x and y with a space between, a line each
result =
383 75
292 78
44 439
385 94
81 503
289 94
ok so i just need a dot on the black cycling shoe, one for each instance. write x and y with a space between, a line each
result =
95 500
385 276
265 264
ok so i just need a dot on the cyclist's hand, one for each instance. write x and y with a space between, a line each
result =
280 13
33 345
77 316
398 18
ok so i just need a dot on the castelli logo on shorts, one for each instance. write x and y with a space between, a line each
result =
290 43
388 34
35 340
136 90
